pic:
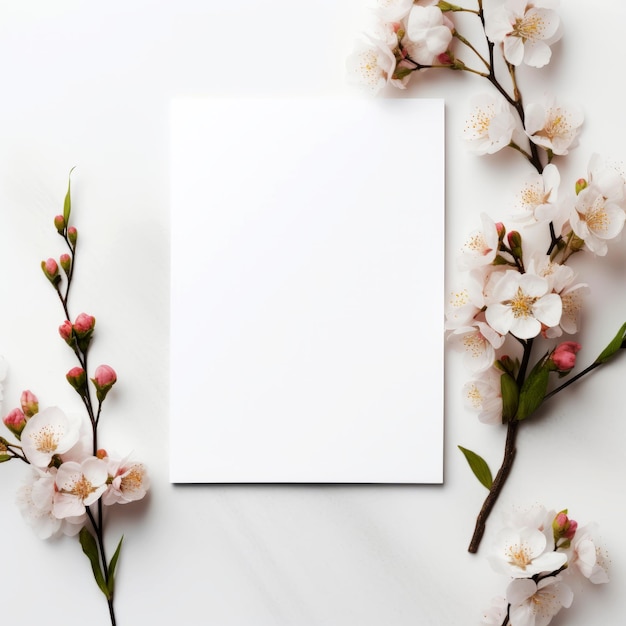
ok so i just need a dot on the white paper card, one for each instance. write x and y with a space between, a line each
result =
307 290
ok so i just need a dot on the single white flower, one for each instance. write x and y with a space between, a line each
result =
608 179
481 246
524 552
596 219
588 556
521 304
553 126
371 65
460 309
478 344
491 124
484 397
526 31
537 199
572 299
128 482
78 486
427 34
47 433
536 603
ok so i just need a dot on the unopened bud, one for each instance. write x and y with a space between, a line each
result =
563 358
101 453
66 331
104 378
563 528
78 379
501 230
51 270
84 324
59 224
66 263
72 235
29 403
15 422
581 184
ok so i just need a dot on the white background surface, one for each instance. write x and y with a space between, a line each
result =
89 85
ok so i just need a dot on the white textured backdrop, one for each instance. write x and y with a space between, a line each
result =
88 84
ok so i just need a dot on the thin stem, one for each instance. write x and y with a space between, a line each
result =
496 487
507 462
573 379
464 41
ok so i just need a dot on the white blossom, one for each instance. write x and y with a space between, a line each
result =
371 65
521 303
491 124
553 126
427 34
536 603
484 397
588 556
524 552
78 485
481 247
478 343
47 433
536 202
525 30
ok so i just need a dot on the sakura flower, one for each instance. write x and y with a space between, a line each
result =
484 396
47 433
78 486
596 218
491 124
536 603
608 179
524 552
537 199
588 556
478 344
128 482
371 65
521 304
481 246
427 34
552 126
526 31
35 499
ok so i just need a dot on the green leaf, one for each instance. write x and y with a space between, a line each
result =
479 466
614 346
5 457
67 204
90 548
510 397
112 566
533 391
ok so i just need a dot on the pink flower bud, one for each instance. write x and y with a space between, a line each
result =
501 230
84 324
72 235
51 270
564 528
77 378
15 422
564 356
66 262
101 453
65 330
104 378
29 402
581 184
59 224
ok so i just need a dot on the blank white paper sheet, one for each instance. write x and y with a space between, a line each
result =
307 243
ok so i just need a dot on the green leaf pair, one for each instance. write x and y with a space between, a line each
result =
90 548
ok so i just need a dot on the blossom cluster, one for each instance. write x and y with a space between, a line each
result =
521 286
66 477
414 35
547 556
